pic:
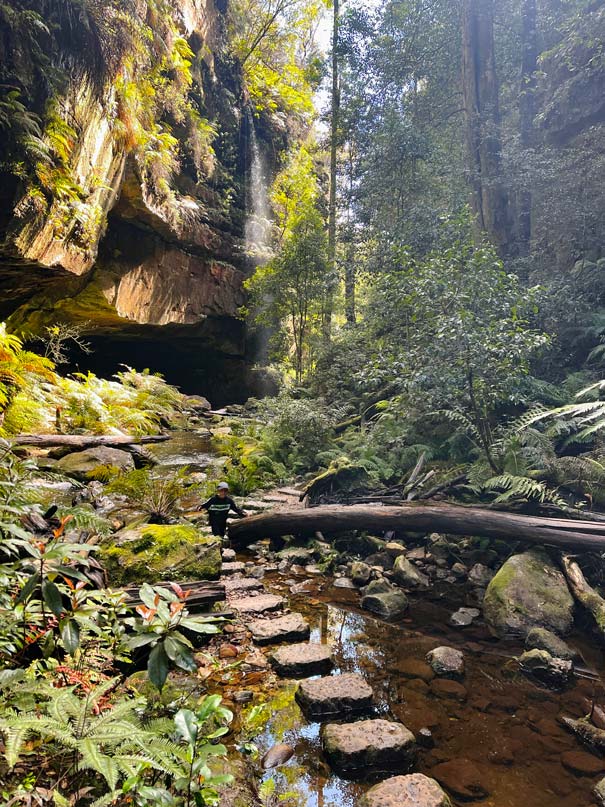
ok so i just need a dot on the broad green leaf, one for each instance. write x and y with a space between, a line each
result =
158 666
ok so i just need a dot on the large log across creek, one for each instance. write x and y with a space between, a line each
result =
82 441
416 517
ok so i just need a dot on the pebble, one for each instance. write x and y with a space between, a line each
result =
464 617
446 661
277 755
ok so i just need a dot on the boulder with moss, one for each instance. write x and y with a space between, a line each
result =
153 552
529 591
95 463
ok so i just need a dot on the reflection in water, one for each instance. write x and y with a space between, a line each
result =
501 722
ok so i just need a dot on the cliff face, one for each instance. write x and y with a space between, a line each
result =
130 217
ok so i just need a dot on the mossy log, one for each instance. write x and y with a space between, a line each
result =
583 591
416 517
83 441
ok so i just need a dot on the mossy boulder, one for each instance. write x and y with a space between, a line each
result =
529 591
151 552
95 463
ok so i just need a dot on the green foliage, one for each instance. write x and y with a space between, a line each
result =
157 497
159 628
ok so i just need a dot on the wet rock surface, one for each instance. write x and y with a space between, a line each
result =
263 603
446 662
369 744
464 617
543 639
390 605
301 660
541 665
287 628
334 696
462 778
406 574
82 464
414 790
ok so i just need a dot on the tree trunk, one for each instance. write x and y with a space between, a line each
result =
583 592
489 198
82 441
334 123
415 517
529 66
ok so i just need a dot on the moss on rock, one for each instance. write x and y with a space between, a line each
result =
152 552
529 591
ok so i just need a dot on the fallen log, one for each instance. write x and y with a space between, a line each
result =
417 517
82 441
584 592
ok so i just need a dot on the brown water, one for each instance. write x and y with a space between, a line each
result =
506 725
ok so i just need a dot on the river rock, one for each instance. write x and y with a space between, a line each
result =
262 604
414 668
83 465
480 575
369 744
360 572
462 778
228 555
394 548
286 628
153 552
406 574
599 793
541 665
414 790
582 763
234 567
529 591
343 582
388 606
446 662
277 755
334 696
464 617
543 639
296 555
448 689
379 586
301 660
241 584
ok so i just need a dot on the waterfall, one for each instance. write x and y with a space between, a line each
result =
258 223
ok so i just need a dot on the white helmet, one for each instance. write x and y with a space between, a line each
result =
222 486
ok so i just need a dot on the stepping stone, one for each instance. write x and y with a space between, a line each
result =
228 555
414 790
241 584
234 567
289 492
446 661
301 660
262 604
391 605
336 695
369 744
287 628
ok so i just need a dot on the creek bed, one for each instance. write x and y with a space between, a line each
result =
504 724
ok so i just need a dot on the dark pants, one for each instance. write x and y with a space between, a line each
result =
218 524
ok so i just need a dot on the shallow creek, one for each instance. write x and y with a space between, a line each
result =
502 722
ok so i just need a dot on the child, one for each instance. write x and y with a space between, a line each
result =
218 507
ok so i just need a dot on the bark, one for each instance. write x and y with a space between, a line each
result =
583 591
529 67
199 594
334 123
489 199
82 441
417 517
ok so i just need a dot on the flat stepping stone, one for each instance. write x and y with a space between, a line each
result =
414 790
262 604
289 492
369 744
286 628
242 584
336 695
302 660
235 567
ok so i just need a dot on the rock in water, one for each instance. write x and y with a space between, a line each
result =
414 790
406 574
599 793
388 606
334 695
464 617
287 628
541 665
301 660
529 591
278 755
543 639
369 744
360 572
262 604
462 778
446 662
